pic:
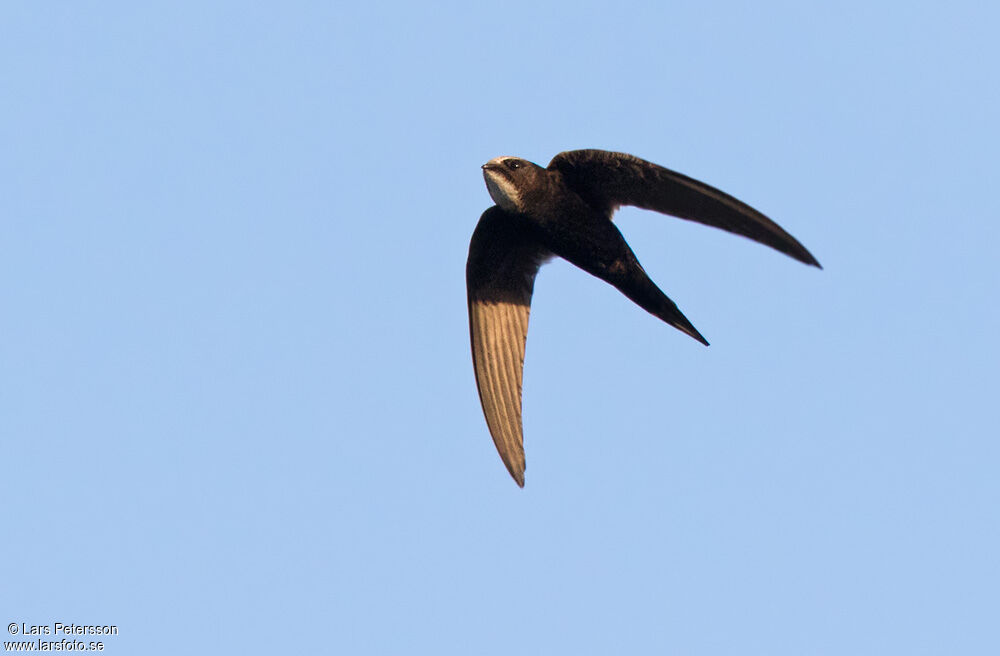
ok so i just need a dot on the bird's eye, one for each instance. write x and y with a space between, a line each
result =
512 164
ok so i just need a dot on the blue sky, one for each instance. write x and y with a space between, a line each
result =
237 408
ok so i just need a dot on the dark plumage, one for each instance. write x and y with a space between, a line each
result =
566 210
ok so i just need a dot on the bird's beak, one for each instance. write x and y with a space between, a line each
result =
489 166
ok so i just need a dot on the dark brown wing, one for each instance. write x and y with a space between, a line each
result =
504 257
606 180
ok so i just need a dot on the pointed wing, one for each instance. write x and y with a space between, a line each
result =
607 180
504 257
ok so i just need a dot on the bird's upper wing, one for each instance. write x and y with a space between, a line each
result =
504 257
606 180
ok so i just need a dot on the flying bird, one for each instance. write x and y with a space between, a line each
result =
565 210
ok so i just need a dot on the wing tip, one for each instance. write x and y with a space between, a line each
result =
516 470
512 455
802 254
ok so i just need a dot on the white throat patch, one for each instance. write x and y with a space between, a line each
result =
502 191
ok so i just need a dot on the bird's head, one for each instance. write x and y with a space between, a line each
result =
509 179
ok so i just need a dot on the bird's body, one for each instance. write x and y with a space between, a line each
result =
566 210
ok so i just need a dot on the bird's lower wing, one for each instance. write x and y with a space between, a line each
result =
606 180
503 260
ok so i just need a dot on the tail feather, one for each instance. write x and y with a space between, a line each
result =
638 286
